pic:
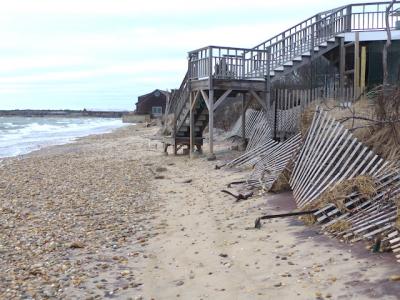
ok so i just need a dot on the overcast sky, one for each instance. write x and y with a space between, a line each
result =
103 54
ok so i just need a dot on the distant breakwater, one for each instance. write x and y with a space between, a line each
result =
61 113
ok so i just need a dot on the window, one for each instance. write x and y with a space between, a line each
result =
156 110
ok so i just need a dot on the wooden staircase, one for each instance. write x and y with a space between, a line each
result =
235 69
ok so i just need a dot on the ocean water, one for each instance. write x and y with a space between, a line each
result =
21 135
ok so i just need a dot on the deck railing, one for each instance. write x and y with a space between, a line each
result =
226 63
258 62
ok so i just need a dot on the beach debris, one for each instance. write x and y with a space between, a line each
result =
217 167
161 169
236 183
257 223
239 196
179 283
395 278
76 245
357 192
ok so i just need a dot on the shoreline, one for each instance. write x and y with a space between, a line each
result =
67 113
108 216
67 141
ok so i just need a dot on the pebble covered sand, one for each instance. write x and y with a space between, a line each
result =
67 210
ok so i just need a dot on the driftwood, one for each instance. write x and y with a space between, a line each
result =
236 182
239 196
257 223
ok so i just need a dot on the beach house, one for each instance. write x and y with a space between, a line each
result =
152 104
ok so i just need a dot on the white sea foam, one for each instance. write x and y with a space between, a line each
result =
20 135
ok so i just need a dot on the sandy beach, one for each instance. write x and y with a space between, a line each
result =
110 217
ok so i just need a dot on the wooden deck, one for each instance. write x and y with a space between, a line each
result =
236 85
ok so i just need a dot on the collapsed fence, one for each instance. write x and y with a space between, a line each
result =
326 162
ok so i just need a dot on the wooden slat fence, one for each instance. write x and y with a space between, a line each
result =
394 240
252 156
367 218
273 162
330 154
290 104
260 132
251 120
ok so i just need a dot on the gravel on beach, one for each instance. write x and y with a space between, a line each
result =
65 212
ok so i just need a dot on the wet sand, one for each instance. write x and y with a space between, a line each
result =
110 217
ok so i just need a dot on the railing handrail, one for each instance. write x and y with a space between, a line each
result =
327 13
226 48
287 45
304 29
283 33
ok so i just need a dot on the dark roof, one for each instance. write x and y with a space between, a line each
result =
144 97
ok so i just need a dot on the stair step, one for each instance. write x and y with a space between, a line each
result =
316 49
186 128
308 53
279 69
331 40
324 44
298 58
288 64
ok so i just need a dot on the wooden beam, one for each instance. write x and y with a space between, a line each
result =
221 99
191 121
351 44
357 65
363 67
259 100
248 102
205 97
211 123
244 120
196 97
342 66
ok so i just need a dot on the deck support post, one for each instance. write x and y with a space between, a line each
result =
268 81
348 19
174 135
244 108
192 129
356 66
342 66
211 155
363 68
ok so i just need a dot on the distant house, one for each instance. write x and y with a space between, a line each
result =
152 104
